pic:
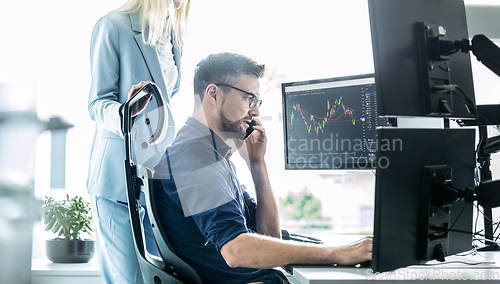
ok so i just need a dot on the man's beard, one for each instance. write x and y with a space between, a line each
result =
232 129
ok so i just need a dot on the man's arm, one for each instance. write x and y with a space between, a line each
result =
262 252
266 214
267 217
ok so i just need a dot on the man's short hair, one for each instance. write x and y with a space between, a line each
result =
224 68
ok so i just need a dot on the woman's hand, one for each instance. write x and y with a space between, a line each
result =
140 105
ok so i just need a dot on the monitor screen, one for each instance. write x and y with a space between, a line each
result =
406 73
415 220
330 123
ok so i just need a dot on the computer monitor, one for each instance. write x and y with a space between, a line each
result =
406 39
417 217
330 123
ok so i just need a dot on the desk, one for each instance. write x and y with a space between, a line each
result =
448 271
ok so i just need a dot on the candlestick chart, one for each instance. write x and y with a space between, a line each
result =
335 111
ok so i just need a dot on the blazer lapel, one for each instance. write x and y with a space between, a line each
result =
149 54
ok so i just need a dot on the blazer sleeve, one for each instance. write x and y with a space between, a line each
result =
104 104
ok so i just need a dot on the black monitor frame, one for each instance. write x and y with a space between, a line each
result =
407 70
344 151
412 219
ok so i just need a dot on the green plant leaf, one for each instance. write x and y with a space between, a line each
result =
56 228
61 218
50 224
48 216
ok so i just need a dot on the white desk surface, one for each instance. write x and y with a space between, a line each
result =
448 271
43 271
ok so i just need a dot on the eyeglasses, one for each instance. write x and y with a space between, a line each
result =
254 99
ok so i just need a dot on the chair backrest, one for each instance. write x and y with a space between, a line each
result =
169 268
173 264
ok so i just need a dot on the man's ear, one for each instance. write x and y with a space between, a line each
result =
211 94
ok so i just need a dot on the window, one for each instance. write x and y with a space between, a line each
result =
297 40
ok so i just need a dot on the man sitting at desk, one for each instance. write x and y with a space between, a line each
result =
209 218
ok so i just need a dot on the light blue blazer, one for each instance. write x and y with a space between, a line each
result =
119 58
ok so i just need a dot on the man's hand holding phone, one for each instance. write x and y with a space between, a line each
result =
253 148
250 128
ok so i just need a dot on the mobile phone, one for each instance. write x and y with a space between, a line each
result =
250 128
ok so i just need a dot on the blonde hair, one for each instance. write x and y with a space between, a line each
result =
156 14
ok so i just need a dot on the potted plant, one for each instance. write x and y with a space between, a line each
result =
68 219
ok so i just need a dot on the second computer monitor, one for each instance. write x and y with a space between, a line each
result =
406 71
422 177
330 123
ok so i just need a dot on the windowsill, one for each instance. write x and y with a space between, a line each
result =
46 268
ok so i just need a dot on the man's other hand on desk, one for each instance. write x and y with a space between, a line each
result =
258 251
356 253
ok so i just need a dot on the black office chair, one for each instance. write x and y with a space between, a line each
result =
169 268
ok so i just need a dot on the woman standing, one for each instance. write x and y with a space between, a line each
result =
139 42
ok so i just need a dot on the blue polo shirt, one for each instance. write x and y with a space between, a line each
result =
202 205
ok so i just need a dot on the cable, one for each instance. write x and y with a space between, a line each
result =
477 217
458 217
497 224
495 231
472 252
475 233
486 241
482 213
470 105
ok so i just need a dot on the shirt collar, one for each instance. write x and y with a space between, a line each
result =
219 145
